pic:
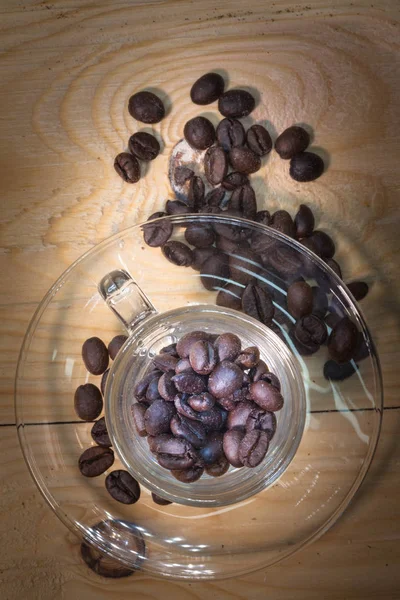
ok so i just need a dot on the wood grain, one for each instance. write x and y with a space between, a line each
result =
67 69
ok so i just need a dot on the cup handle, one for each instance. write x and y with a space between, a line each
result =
125 298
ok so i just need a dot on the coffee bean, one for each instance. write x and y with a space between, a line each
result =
262 421
182 174
184 344
213 199
200 255
237 418
218 468
244 160
176 207
334 266
138 413
141 387
189 475
343 340
183 408
160 501
212 449
225 379
199 235
234 233
183 365
324 244
304 221
230 134
157 234
263 216
207 89
215 165
359 289
248 358
95 460
258 371
231 444
123 487
309 243
283 222
320 301
339 372
225 245
230 297
165 362
215 271
227 346
116 344
234 180
95 355
178 253
266 396
310 331
286 261
99 433
189 383
203 357
300 299
168 444
243 199
88 402
166 387
127 166
146 107
104 381
101 563
176 462
292 141
192 431
244 266
257 303
152 392
158 416
199 133
195 197
259 140
253 448
144 146
306 166
202 402
236 103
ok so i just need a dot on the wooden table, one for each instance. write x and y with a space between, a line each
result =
67 69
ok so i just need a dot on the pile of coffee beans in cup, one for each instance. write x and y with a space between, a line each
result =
207 404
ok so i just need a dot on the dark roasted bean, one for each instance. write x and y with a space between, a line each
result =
244 160
185 342
339 372
283 222
189 383
158 416
304 221
230 134
253 448
146 107
201 402
266 396
182 174
213 419
272 379
99 433
215 165
215 271
165 362
127 166
359 289
152 393
95 460
258 371
207 89
248 358
244 266
212 449
200 255
263 421
144 145
311 332
263 216
300 299
123 487
116 344
192 431
140 388
195 197
234 180
231 444
88 402
176 207
286 261
306 166
230 297
138 413
228 346
243 199
199 133
95 355
237 418
203 357
259 140
183 365
218 468
188 475
227 403
292 141
343 340
225 379
168 444
199 235
214 197
104 381
257 303
236 103
157 234
166 387
178 253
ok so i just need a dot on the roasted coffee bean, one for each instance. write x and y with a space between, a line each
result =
309 243
157 234
195 197
152 393
244 266
144 146
158 416
203 357
168 444
141 387
230 134
160 501
237 418
283 222
236 103
306 166
263 216
212 449
215 165
334 265
123 487
311 331
199 235
146 107
176 207
182 174
225 379
253 448
226 245
199 133
339 372
138 413
99 433
165 362
183 365
231 444
266 396
227 403
286 262
127 166
258 371
300 299
243 199
192 431
170 349
166 387
228 346
202 402
262 243
244 160
230 297
320 301
234 180
207 89
215 271
104 381
200 255
213 419
95 460
189 383
88 402
116 344
185 342
304 221
188 475
272 379
292 141
324 244
178 253
262 421
359 289
214 198
343 340
176 462
257 303
218 468
248 358
101 563
259 140
234 233
95 355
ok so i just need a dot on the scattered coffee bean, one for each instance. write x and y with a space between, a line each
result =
176 207
230 297
203 357
144 146
158 416
116 344
283 222
160 501
157 234
178 253
324 244
182 175
304 221
227 346
286 262
244 160
146 107
218 468
262 421
225 379
267 396
123 487
244 266
215 271
343 340
207 89
95 355
236 103
234 180
231 443
230 134
88 402
138 413
189 475
339 372
310 331
215 165
243 199
101 563
195 197
306 166
99 433
292 141
300 299
95 460
257 303
253 448
127 166
359 289
199 133
199 235
200 255
259 140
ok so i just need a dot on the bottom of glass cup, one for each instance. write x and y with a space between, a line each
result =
133 361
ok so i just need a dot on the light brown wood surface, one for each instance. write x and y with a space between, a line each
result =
67 70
